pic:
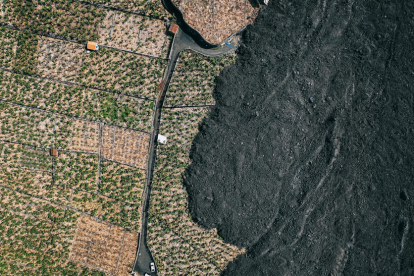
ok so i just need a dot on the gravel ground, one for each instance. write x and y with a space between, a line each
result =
306 159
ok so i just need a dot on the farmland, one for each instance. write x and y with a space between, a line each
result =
194 78
75 101
133 32
76 126
82 21
54 94
103 247
179 246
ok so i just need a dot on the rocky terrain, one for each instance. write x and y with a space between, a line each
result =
307 158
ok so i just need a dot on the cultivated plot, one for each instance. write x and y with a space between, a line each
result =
104 247
21 156
194 79
121 182
106 69
77 101
125 146
133 33
190 249
26 126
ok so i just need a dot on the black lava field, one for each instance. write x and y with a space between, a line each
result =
307 158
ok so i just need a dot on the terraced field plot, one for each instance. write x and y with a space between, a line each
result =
179 246
76 101
134 33
194 79
125 146
103 247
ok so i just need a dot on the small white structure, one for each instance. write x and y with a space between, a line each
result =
266 2
162 139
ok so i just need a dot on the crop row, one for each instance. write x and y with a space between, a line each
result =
108 69
172 234
76 101
194 79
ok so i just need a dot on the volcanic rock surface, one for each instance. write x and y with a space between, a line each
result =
307 157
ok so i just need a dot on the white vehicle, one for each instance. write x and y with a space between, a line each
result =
152 267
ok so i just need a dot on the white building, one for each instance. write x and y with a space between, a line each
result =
162 139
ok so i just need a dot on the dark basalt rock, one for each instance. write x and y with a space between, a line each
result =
321 188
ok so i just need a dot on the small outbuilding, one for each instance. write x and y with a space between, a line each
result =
93 46
162 139
173 29
53 152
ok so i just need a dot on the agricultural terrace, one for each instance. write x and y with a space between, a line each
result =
77 213
76 101
106 69
178 245
82 21
134 33
104 247
194 79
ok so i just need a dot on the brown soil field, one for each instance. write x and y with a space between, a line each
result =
125 146
133 33
216 20
101 246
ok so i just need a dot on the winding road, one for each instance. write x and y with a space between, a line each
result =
182 41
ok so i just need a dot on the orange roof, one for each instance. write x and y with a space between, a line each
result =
53 152
92 46
173 28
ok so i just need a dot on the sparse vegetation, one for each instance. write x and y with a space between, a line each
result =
194 79
178 244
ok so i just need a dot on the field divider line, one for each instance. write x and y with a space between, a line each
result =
120 251
120 9
101 125
189 106
131 52
70 151
77 84
71 117
118 162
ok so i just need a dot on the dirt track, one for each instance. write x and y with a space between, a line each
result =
315 188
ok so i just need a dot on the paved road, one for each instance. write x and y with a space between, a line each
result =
181 42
